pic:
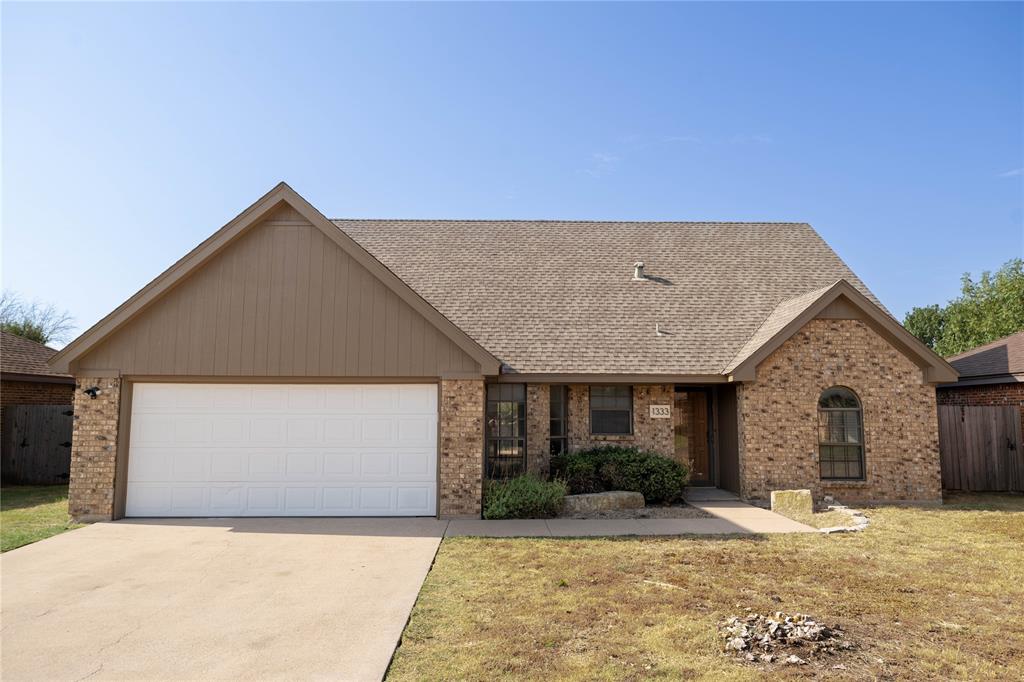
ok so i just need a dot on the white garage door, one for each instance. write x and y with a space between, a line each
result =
282 450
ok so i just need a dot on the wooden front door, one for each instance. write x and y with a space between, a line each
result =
692 423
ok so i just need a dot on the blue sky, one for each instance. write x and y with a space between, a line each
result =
133 131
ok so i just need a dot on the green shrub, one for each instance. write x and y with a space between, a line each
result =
524 497
658 478
579 472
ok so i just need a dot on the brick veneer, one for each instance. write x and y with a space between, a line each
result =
655 435
35 393
94 450
991 394
462 447
778 434
538 428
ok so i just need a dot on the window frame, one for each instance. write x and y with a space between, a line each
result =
558 394
824 428
628 410
497 395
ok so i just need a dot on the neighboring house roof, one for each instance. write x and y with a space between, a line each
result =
21 356
558 296
996 362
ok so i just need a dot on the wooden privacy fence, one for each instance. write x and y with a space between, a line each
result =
36 444
981 448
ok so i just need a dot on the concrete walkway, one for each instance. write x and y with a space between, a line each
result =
728 516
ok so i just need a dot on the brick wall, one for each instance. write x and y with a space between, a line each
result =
992 395
35 393
538 428
778 414
655 435
462 448
94 450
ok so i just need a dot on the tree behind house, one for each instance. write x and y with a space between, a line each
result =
986 310
34 321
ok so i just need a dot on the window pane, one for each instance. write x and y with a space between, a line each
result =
611 422
837 396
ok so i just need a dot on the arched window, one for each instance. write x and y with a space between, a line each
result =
840 434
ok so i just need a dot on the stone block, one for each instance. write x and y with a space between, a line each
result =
788 502
606 501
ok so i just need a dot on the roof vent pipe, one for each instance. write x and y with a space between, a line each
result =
638 270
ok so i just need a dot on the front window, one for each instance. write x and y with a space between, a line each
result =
506 431
559 420
611 410
840 434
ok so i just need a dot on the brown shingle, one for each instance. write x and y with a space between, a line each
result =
1004 356
558 297
22 356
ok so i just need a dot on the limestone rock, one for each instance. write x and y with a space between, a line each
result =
792 501
606 501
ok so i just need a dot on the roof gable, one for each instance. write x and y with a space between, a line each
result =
790 315
281 196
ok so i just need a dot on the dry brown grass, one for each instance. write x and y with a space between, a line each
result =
926 594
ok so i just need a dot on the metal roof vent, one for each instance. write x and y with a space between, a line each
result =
638 271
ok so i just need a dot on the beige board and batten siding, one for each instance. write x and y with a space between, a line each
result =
282 300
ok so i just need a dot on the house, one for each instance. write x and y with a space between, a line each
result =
981 418
992 374
294 365
26 379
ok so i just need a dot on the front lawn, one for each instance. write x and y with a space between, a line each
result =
925 594
29 513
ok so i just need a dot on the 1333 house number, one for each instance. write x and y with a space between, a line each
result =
661 411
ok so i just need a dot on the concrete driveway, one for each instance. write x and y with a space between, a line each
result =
301 599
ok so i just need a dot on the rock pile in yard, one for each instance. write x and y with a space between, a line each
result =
780 638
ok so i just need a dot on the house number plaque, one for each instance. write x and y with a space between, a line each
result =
661 411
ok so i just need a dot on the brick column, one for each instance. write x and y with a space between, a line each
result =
462 447
538 429
94 449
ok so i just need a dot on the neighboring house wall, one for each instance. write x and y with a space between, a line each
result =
655 435
94 447
282 300
462 448
779 421
989 395
35 393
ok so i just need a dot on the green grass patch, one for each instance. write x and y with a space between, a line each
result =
30 513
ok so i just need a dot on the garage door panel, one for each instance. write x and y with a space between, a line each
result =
375 499
415 465
268 450
340 464
380 399
376 465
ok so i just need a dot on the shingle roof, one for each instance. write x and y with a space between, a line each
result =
558 296
784 313
19 355
1001 357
